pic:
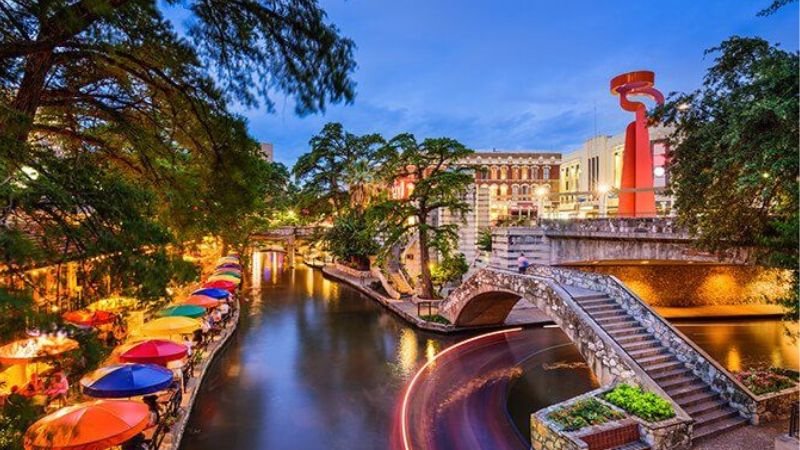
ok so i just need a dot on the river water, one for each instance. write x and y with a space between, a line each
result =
316 365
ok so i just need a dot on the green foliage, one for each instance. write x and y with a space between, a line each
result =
18 414
485 240
646 405
436 318
733 161
340 171
762 381
450 269
439 184
583 413
351 239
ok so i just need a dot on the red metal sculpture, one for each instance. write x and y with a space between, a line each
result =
636 195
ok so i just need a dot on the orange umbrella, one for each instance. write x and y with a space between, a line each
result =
202 300
92 425
87 318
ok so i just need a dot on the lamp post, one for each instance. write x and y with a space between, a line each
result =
602 191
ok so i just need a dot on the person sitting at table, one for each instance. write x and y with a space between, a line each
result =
225 309
216 317
59 387
152 404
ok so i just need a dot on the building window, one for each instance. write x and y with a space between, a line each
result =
494 172
503 172
535 172
546 171
514 192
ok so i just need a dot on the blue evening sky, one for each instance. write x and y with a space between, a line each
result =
514 74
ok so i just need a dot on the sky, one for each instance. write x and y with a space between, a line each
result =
514 74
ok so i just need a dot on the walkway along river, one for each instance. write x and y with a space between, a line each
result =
316 365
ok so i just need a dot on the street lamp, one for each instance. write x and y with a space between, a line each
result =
603 191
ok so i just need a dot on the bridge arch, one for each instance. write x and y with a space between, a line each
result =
488 305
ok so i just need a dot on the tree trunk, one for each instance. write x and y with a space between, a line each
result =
23 108
426 285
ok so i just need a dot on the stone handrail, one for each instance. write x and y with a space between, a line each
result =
703 365
387 286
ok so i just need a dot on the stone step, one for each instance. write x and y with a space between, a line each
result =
659 368
636 330
683 370
603 308
632 338
615 321
589 297
648 352
714 416
686 390
702 407
609 314
635 445
596 301
657 359
696 399
623 325
639 344
713 429
676 381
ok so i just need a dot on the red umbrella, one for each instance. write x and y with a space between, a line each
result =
202 300
86 318
221 284
154 351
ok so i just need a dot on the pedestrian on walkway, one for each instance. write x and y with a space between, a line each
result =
522 263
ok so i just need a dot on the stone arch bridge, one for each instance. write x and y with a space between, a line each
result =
620 337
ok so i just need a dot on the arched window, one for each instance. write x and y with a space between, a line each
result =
503 172
535 172
514 192
524 192
494 172
515 172
503 192
546 172
524 174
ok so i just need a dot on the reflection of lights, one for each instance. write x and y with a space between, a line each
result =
659 171
410 387
734 359
255 264
431 348
407 351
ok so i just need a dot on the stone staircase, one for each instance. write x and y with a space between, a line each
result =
712 414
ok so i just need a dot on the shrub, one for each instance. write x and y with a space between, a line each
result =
435 318
763 381
646 405
583 413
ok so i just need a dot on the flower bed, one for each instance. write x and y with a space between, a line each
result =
762 381
640 403
584 413
436 318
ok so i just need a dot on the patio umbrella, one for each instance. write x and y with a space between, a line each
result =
182 310
113 304
126 380
170 326
155 351
231 272
212 292
25 350
228 260
202 300
224 278
86 318
91 425
229 266
220 284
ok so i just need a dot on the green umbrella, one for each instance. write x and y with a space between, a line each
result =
193 311
233 274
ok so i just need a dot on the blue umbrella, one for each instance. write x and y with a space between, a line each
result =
126 380
212 292
229 266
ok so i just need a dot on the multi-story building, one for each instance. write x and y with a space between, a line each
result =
510 187
267 151
590 176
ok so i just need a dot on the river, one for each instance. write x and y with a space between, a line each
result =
316 365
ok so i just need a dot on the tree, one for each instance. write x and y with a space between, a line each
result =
351 239
339 172
733 158
439 184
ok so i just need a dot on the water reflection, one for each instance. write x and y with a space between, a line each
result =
740 345
317 365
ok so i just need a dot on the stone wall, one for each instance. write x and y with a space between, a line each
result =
683 348
777 405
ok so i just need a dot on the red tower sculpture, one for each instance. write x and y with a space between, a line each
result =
636 195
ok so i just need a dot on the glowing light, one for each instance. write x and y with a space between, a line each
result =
407 395
659 171
684 107
541 191
407 351
603 189
765 175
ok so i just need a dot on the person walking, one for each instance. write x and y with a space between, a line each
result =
522 263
